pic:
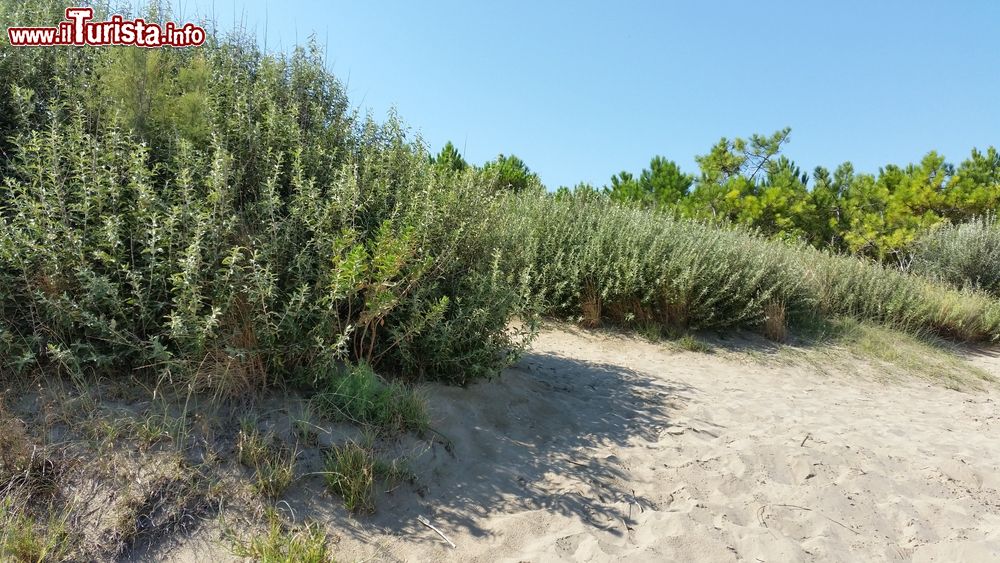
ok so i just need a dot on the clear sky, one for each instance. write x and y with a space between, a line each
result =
583 89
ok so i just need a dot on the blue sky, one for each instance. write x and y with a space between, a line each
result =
581 90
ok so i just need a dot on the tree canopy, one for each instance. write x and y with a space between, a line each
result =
748 181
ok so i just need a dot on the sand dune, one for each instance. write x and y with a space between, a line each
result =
598 447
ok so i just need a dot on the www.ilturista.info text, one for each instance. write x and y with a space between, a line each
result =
79 30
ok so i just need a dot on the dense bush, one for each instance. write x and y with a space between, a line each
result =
109 263
966 254
864 290
268 232
594 260
598 260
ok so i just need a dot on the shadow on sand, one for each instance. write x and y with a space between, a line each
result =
524 441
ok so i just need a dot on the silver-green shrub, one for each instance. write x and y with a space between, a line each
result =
271 234
590 257
644 266
964 254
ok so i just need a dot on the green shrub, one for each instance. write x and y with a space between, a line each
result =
864 290
593 260
965 255
276 234
362 397
234 224
633 266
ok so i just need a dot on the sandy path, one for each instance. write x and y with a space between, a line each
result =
600 447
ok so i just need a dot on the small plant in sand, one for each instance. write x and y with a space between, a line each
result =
353 470
651 331
24 539
305 427
692 344
362 397
284 543
350 474
273 463
155 427
26 468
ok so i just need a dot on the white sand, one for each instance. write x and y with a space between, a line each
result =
600 447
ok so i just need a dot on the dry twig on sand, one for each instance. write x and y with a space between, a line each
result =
427 523
763 519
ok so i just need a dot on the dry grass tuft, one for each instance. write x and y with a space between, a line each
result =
353 470
590 307
691 344
350 474
25 467
27 538
272 462
227 374
775 323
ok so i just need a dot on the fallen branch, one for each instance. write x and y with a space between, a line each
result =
427 523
